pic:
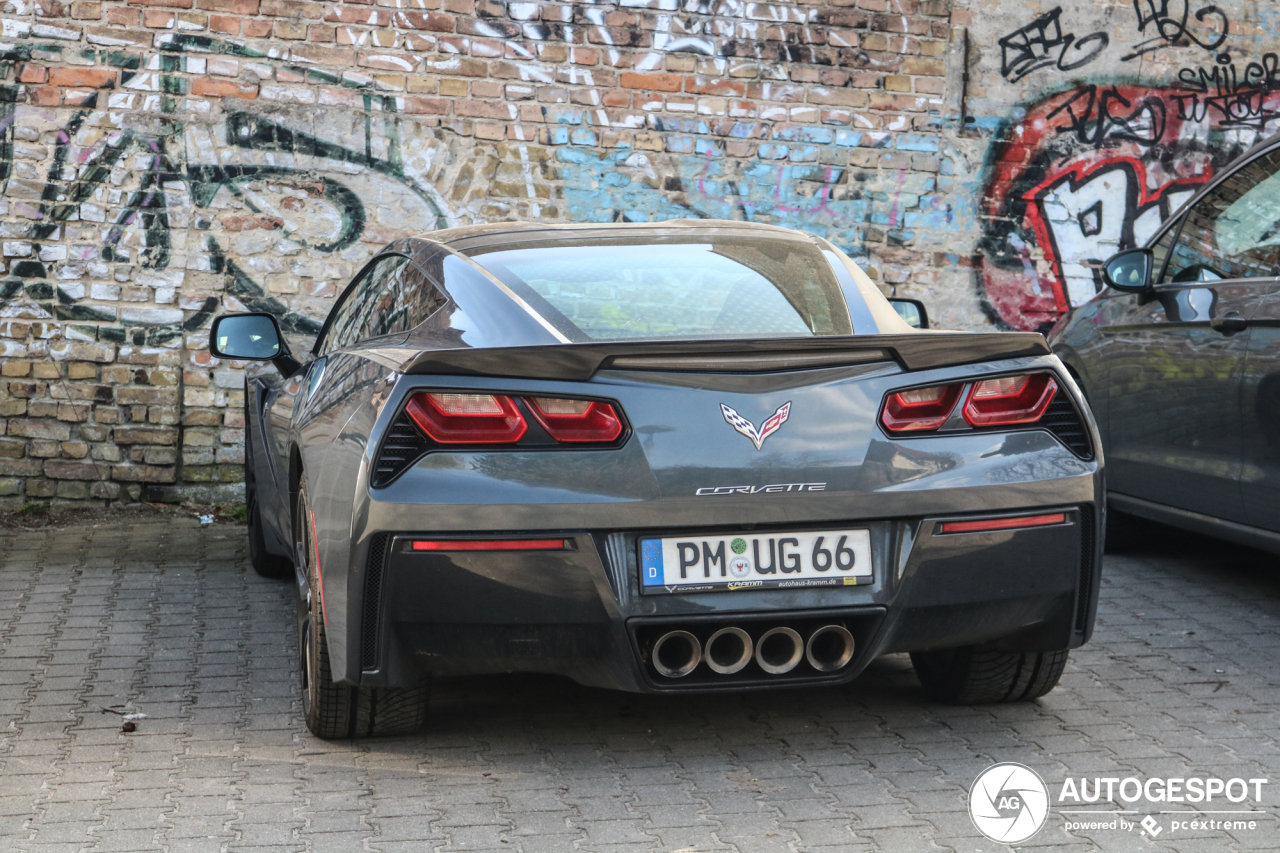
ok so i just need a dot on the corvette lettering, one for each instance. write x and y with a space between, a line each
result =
755 490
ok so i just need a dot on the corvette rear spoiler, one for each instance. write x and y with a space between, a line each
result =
579 362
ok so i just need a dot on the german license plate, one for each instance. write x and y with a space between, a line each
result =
685 564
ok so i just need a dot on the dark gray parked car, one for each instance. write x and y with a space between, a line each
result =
1178 357
689 456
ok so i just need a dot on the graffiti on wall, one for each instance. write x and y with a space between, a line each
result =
1042 44
1082 173
261 197
249 198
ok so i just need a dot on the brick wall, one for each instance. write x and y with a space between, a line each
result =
165 160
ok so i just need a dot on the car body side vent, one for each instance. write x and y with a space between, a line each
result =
1087 574
1062 419
372 601
403 445
617 551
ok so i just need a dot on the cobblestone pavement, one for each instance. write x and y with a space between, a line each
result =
165 618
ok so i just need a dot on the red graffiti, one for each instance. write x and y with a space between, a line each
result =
1087 172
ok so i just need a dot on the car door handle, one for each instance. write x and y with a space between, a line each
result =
1229 324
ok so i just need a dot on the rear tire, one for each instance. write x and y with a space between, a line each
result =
265 563
984 675
333 711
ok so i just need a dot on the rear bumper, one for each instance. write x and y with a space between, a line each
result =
581 612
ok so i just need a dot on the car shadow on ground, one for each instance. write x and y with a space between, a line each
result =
1194 558
516 701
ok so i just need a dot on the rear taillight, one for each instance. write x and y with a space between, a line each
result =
1002 401
457 418
576 420
468 418
920 408
1009 399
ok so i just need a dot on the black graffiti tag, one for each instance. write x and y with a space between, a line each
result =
1095 115
157 158
1239 99
1041 44
1172 29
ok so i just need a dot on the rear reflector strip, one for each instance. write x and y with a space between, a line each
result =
488 545
1003 523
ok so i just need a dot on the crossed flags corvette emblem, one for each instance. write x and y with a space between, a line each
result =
744 426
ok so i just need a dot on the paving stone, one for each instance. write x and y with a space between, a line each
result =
223 763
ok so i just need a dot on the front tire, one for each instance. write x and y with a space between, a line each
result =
984 675
333 711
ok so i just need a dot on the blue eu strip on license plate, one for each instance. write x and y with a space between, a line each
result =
812 558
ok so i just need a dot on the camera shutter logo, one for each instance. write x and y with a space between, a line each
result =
1008 802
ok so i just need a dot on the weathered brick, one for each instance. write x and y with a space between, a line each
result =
66 469
31 73
38 428
235 7
145 435
652 82
213 87
143 474
20 467
94 78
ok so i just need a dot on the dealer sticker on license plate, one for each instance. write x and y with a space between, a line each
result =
688 564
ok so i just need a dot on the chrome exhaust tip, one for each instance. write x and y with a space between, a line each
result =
676 654
728 650
829 648
779 650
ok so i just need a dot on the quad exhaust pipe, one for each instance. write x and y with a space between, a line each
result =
729 650
676 654
829 648
779 651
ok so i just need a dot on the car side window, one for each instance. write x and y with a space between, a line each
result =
340 319
409 299
1160 249
353 317
422 297
384 305
1234 231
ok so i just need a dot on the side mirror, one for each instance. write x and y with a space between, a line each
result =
1129 271
912 311
251 337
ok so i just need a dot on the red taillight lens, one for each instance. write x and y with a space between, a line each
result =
920 408
576 420
1003 523
488 545
1009 399
468 418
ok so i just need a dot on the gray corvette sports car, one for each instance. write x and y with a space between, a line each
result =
686 456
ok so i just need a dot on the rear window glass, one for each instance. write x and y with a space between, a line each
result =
702 287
